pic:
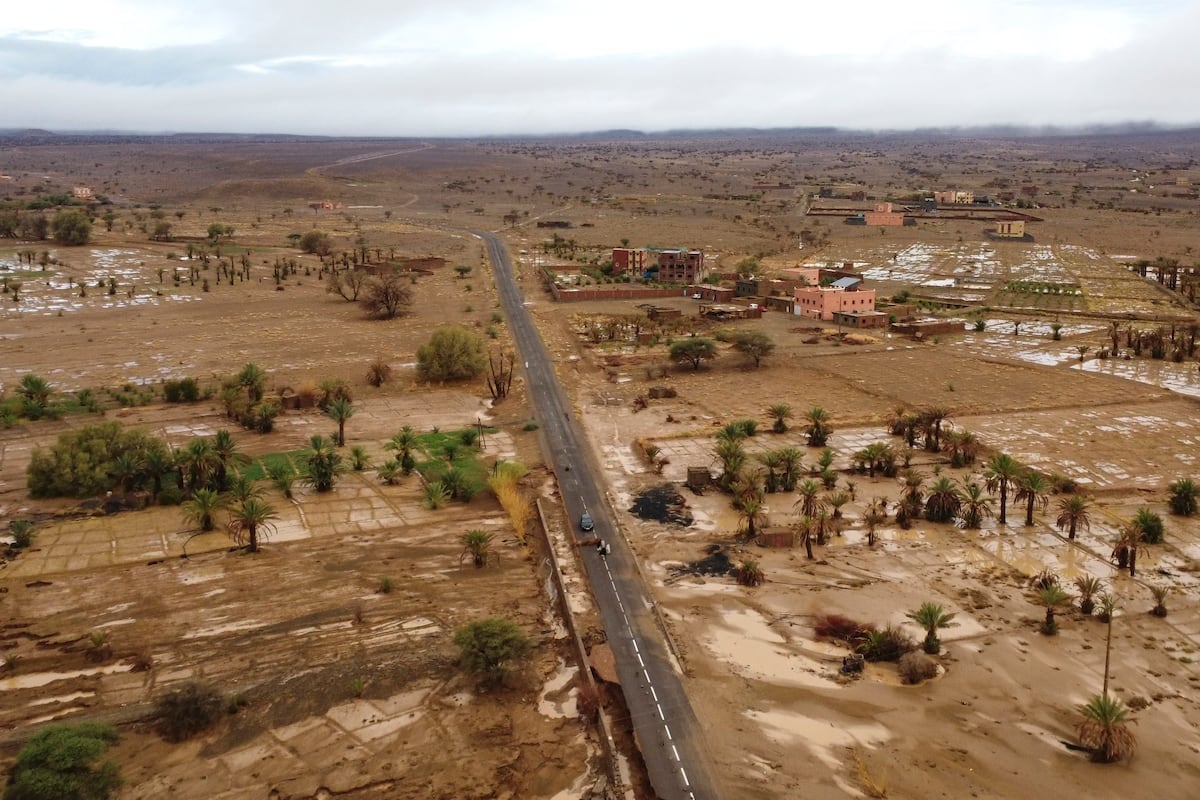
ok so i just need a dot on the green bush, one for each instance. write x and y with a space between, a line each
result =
1150 524
59 763
888 644
491 647
81 462
184 390
169 495
452 353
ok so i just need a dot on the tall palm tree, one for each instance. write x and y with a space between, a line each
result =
932 618
248 518
158 462
229 457
1033 489
339 411
944 501
912 498
751 514
1105 729
198 461
932 420
874 516
732 456
780 413
1072 513
202 508
126 468
253 379
809 491
1183 496
976 506
773 461
1002 471
818 428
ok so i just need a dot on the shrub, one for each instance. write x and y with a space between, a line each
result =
22 533
491 647
186 711
452 353
888 644
378 373
80 464
841 629
916 667
1150 524
169 495
59 763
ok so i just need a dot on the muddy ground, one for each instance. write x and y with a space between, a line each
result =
299 650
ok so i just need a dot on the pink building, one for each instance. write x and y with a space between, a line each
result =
884 215
821 302
810 275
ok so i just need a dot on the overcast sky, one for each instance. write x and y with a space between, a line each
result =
469 67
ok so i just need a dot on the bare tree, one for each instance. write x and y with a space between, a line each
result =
385 296
348 283
501 375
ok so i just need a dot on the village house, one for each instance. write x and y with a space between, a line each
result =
83 193
1009 229
675 265
843 295
954 197
884 214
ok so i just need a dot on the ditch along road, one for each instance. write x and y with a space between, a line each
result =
670 737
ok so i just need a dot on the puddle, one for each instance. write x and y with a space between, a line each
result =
37 679
66 698
819 735
557 700
217 630
745 640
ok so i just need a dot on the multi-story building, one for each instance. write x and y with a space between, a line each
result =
843 296
675 265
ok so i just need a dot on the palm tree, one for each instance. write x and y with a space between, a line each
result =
932 618
1034 489
158 462
282 475
750 574
1105 730
360 459
477 544
404 443
322 464
1001 471
1160 600
127 468
912 498
836 500
944 501
897 420
780 412
806 530
976 505
932 420
875 515
1051 596
34 389
772 460
962 445
198 461
252 378
1089 586
732 456
339 411
809 491
751 514
1183 496
818 428
228 457
791 465
242 487
1072 513
246 519
202 508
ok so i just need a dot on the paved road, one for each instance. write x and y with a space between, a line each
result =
671 739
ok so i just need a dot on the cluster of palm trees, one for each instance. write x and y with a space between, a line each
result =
210 470
243 397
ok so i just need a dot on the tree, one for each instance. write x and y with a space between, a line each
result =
1002 471
693 350
248 518
253 379
202 508
339 411
1034 490
59 763
217 230
1051 596
1089 587
962 445
1105 730
452 353
404 443
477 544
944 501
161 233
1072 513
385 296
80 464
198 462
316 242
751 514
780 413
818 428
975 506
1149 525
491 647
348 283
932 618
72 228
755 345
1184 492
184 712
34 390
322 464
808 501
228 457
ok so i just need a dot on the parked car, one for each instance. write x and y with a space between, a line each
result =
586 523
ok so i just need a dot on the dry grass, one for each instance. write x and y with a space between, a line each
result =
873 786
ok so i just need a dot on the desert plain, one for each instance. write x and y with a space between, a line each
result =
343 690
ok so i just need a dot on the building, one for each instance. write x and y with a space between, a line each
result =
843 296
884 214
83 193
680 266
861 319
626 259
954 197
810 276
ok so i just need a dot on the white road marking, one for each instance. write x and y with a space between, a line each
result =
640 662
686 782
668 730
661 716
676 752
654 693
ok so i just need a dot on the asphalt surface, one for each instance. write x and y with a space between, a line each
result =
670 738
